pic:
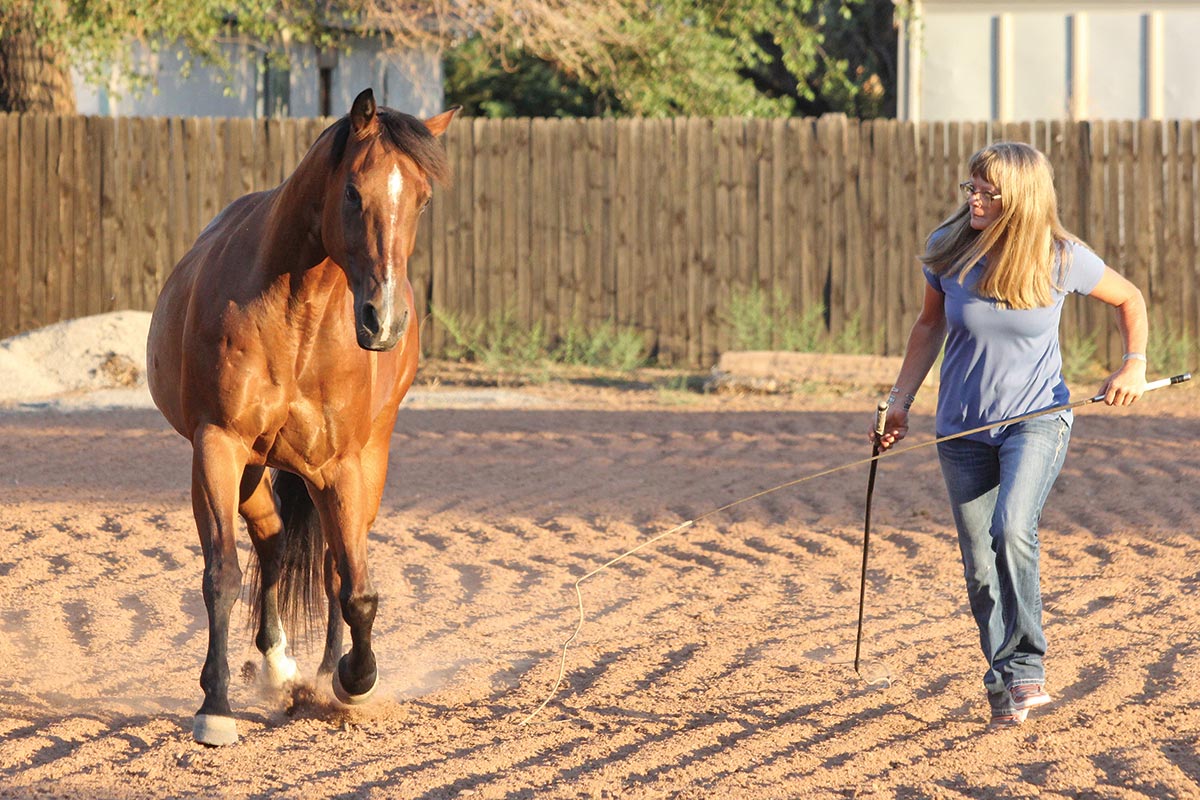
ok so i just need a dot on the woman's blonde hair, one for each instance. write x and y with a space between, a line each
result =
1022 245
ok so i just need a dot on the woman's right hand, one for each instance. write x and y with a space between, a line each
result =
895 427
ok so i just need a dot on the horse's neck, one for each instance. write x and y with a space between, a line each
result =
292 242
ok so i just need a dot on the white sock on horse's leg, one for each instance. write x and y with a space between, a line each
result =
278 668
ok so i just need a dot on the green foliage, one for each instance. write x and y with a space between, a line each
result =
1171 351
762 322
763 58
1079 358
498 341
502 342
661 58
605 346
516 84
96 35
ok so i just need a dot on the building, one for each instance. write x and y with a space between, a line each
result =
1019 60
314 84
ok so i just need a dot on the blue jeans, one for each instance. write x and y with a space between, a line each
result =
997 493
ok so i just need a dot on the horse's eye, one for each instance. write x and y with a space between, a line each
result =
352 196
424 205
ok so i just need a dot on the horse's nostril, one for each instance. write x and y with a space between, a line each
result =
370 319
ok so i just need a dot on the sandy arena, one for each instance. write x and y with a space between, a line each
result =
716 663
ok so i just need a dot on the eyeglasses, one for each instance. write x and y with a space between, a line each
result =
969 191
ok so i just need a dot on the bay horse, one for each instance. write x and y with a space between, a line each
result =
281 346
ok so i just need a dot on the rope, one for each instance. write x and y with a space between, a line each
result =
562 668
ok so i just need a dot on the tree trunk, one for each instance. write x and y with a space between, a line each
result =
34 76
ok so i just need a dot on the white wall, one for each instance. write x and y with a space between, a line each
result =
411 83
1017 60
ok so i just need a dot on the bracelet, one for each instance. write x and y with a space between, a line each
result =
1134 357
909 399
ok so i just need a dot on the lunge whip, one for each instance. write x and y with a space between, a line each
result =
875 457
880 421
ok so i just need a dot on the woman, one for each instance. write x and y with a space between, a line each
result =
997 272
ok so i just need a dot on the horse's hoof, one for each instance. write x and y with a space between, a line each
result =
352 699
214 730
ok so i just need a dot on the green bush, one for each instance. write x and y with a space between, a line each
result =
502 341
762 322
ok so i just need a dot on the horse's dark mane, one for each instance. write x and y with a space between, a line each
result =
407 133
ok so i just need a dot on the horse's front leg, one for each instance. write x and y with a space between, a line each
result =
217 463
333 629
347 510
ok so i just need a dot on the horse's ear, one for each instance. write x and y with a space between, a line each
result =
362 113
437 125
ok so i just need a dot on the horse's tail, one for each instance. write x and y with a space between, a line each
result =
301 555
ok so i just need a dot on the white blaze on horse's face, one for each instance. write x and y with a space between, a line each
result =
395 188
378 222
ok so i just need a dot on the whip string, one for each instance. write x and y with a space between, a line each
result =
562 667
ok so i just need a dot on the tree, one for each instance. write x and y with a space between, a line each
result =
682 57
41 40
649 57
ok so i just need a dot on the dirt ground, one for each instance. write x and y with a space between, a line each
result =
715 663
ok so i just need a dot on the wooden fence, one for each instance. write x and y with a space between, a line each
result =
650 224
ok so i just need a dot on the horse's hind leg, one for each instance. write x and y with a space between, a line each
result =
217 463
265 527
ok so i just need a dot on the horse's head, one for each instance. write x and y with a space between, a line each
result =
384 164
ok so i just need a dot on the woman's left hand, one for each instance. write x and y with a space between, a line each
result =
1125 385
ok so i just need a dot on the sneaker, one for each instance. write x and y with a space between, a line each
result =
1008 719
1029 695
1004 714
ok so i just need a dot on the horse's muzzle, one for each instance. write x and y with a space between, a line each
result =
379 328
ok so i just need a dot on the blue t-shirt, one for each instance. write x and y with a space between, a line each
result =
1002 362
